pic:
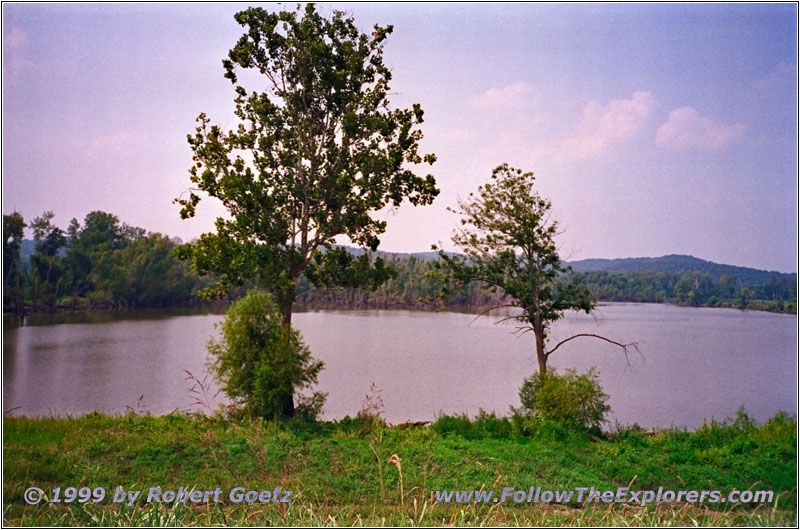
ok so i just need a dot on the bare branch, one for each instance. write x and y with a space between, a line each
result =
491 309
521 330
512 317
634 345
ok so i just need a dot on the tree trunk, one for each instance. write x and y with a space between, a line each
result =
20 303
55 297
286 405
541 354
542 358
8 276
286 400
286 313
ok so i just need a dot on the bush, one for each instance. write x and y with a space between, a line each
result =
260 364
573 398
484 425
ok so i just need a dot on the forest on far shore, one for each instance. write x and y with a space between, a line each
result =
105 263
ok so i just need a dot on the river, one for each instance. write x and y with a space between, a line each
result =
697 363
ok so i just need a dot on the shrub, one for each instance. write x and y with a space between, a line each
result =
571 397
484 425
258 362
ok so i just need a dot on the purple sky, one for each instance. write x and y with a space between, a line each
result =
654 128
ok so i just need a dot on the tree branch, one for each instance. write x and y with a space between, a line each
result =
634 345
492 308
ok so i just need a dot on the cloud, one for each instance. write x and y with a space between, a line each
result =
16 38
685 128
455 135
783 75
508 97
115 144
604 126
14 61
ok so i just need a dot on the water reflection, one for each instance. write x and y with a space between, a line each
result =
699 363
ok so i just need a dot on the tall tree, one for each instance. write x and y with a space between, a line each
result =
311 158
46 262
13 233
507 240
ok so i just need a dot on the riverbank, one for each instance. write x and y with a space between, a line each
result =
362 473
220 306
83 307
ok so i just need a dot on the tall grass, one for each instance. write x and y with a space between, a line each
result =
361 472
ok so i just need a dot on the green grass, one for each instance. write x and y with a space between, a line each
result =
341 474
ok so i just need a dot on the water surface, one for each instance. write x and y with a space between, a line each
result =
698 363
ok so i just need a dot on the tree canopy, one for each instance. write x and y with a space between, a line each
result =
311 158
508 242
258 362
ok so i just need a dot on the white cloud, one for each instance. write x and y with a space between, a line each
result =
603 126
508 97
685 128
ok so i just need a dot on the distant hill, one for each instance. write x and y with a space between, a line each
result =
676 264
673 264
430 255
26 248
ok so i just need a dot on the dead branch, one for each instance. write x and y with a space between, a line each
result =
491 309
512 317
625 347
521 330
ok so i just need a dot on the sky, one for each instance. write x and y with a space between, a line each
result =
654 129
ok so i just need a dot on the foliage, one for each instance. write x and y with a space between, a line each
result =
312 157
676 264
484 425
259 360
332 472
47 273
102 262
411 285
13 234
415 286
570 397
325 148
508 244
96 257
691 288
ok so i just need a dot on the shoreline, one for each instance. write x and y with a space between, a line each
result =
218 305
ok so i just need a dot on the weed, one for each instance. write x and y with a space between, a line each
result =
200 391
338 471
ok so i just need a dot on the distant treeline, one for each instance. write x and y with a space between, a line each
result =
105 263
778 293
679 264
414 288
100 263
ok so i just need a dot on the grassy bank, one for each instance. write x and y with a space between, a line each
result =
344 473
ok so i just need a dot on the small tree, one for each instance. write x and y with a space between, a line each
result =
744 297
258 361
507 240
